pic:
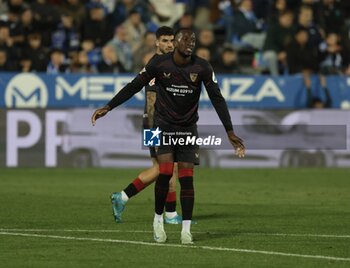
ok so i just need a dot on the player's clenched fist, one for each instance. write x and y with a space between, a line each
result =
99 113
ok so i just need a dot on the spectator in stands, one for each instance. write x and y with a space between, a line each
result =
81 64
58 63
186 21
122 8
277 38
122 48
14 22
15 5
6 42
146 57
36 54
330 16
109 62
306 20
345 43
228 62
206 38
5 64
166 12
201 13
135 28
204 53
333 59
278 7
300 57
95 25
46 17
66 36
75 9
147 46
247 28
93 53
27 23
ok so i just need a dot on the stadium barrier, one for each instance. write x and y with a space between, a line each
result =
33 90
66 138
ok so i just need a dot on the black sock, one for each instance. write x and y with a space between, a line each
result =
187 197
135 187
170 206
130 190
160 192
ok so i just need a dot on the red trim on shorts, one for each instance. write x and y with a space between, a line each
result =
166 168
171 197
139 185
185 172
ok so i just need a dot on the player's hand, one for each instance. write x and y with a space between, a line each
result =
237 143
99 113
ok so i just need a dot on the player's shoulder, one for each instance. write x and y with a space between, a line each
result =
161 57
201 62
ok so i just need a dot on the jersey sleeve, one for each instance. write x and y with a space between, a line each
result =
216 98
151 87
141 80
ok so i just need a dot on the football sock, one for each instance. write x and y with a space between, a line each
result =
170 205
124 196
170 215
162 186
186 226
158 217
187 193
134 188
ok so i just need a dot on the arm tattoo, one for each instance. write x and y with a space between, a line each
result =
151 100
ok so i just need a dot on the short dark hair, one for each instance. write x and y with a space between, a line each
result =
183 30
164 30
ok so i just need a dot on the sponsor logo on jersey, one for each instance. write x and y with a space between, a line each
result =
167 75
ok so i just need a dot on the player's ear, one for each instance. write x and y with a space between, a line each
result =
157 43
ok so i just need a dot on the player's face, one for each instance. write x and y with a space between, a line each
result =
185 42
165 44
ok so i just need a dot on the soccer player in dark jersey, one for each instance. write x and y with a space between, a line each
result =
164 44
179 76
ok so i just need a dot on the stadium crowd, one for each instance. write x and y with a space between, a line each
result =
117 36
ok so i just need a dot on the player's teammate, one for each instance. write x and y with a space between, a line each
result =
164 44
179 76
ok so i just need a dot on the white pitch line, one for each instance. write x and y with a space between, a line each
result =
144 231
179 246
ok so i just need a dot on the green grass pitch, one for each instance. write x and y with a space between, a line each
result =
246 218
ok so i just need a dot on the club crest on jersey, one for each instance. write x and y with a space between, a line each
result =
193 77
166 75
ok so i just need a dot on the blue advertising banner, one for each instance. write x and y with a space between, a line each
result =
33 90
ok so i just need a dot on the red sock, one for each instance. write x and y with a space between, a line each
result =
139 185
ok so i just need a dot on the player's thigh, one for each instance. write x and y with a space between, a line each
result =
165 158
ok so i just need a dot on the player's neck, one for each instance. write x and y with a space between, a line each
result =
181 59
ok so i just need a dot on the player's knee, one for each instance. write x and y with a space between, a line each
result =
166 168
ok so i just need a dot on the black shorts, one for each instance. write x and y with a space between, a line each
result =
181 152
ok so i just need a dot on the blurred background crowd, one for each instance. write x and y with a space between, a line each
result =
118 36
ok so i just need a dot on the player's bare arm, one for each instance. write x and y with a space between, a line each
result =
151 99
